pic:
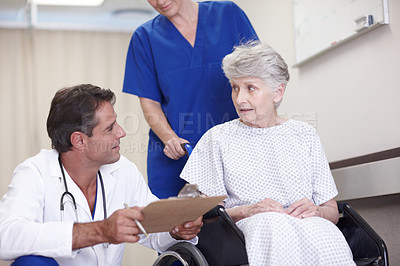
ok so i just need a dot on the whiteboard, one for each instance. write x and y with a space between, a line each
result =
321 25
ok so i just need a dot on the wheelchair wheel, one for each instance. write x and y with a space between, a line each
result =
182 253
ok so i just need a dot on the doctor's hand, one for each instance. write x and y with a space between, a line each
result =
187 230
303 208
120 227
173 148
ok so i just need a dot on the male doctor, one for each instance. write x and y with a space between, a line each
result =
67 204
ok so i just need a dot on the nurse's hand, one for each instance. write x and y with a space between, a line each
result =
188 230
173 148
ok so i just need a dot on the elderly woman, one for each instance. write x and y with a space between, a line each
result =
274 170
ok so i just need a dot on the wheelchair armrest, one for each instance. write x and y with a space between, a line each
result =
219 210
212 213
220 240
231 224
349 212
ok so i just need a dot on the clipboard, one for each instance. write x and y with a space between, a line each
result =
165 214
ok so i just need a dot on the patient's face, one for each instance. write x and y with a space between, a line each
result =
254 101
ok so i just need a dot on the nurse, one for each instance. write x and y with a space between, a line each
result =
174 66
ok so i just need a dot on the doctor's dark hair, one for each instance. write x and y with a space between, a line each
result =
73 109
259 60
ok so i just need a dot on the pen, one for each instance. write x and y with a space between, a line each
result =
138 223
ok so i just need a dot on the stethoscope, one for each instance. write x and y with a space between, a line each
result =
67 193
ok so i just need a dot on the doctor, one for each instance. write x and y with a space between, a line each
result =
68 203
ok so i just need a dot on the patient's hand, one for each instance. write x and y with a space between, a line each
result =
303 208
266 205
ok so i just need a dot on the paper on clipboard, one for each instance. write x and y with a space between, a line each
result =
165 214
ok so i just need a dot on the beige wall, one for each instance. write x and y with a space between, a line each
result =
34 64
352 92
353 89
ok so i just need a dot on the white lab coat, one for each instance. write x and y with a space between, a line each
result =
30 217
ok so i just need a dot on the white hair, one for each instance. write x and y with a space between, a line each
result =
257 59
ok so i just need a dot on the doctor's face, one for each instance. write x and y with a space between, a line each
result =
168 8
103 146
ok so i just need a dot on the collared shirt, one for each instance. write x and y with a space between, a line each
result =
30 217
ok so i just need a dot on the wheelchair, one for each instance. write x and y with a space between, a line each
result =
222 243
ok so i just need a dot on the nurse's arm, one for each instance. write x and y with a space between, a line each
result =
156 119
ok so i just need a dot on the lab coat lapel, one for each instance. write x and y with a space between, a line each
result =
81 202
109 184
83 207
55 170
84 214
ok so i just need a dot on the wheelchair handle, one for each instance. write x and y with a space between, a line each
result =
187 148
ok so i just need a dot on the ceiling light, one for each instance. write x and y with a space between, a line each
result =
68 2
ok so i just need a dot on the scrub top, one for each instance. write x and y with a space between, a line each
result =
187 81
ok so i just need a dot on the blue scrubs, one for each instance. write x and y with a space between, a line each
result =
188 81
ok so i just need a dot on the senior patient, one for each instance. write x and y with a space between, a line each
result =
274 170
68 203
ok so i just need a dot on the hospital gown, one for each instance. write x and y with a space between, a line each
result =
285 163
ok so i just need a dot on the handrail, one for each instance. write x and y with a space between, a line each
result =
373 157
